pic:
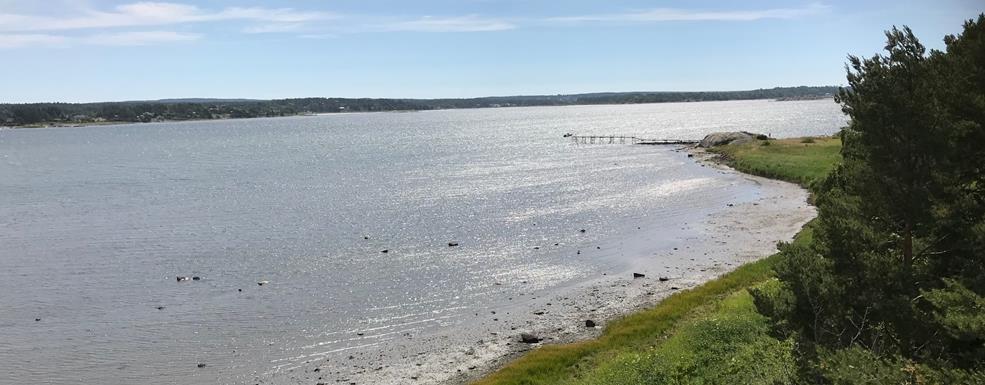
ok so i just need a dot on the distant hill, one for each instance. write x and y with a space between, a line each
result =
203 100
203 108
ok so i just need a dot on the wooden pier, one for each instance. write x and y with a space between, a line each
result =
624 139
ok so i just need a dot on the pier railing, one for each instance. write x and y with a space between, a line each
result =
625 139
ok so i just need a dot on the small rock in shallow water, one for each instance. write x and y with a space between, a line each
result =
201 365
261 283
196 278
179 279
384 251
452 244
664 279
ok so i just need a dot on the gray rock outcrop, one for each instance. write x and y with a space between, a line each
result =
723 138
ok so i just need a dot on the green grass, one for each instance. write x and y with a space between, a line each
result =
707 335
556 364
791 160
722 342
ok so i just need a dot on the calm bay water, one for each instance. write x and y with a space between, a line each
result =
96 223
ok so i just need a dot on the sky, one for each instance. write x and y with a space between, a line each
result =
105 50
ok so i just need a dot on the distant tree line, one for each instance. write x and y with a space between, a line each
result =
196 109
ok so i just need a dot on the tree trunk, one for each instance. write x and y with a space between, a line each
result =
908 249
907 246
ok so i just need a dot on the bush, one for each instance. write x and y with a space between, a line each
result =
807 140
857 366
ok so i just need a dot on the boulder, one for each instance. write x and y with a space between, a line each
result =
589 323
528 338
723 138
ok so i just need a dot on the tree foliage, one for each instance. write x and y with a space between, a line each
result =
895 277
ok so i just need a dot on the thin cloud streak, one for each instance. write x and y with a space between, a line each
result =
137 38
145 14
675 14
30 40
470 23
275 28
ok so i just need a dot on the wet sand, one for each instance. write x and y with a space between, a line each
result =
737 234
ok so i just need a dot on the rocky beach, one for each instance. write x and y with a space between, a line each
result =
737 234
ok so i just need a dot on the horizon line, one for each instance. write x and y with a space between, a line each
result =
248 99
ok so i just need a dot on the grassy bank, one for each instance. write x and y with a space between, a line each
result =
709 334
798 160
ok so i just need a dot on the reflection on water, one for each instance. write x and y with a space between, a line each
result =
97 222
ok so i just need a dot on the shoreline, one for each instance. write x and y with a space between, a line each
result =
640 293
732 237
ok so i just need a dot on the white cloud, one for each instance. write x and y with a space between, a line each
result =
145 14
674 14
318 36
30 40
274 28
113 26
280 15
469 23
139 38
104 39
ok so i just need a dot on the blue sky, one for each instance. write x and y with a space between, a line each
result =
99 50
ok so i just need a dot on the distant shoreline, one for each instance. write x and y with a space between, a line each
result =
63 124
